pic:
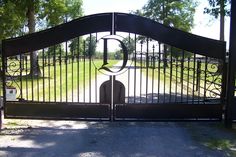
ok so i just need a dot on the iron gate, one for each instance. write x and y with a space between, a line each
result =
114 66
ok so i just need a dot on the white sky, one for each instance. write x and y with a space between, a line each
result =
205 25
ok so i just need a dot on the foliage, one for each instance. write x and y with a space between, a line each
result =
177 14
11 20
178 53
219 8
30 13
76 46
57 50
90 45
129 43
214 8
15 14
55 12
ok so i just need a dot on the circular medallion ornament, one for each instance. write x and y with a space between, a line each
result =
111 55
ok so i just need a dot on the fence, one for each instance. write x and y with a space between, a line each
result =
160 78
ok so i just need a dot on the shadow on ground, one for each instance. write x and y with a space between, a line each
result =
70 138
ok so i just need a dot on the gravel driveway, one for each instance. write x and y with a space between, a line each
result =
37 138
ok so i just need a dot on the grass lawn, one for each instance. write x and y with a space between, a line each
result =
171 76
58 83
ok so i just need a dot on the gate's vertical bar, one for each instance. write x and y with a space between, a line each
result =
43 78
32 86
153 64
128 83
176 78
21 94
171 66
198 85
224 81
55 73
72 73
182 75
96 85
194 73
188 67
112 109
60 62
4 66
49 83
147 68
37 78
231 76
84 72
141 70
159 71
128 74
135 65
90 63
164 68
78 70
66 62
26 79
205 77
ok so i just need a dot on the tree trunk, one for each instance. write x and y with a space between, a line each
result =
34 66
222 31
165 65
222 20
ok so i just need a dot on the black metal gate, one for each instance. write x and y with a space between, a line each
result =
114 66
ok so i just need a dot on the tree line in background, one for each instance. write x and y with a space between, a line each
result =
19 17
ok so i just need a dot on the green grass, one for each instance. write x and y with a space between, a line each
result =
58 82
189 76
214 136
219 144
12 124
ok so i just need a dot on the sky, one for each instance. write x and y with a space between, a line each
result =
204 25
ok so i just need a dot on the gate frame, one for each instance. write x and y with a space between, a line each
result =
230 111
113 22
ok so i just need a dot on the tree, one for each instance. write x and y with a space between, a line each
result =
76 46
129 43
177 14
178 53
218 9
59 11
11 21
51 12
90 46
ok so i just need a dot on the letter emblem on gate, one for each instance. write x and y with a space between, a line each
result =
111 55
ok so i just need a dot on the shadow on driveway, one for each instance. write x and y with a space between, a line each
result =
85 139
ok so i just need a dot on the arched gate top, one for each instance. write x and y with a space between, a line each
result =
113 22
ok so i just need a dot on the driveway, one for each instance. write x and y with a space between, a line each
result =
37 138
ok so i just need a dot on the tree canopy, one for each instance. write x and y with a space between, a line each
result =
90 45
10 19
37 14
218 8
177 14
214 8
129 43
